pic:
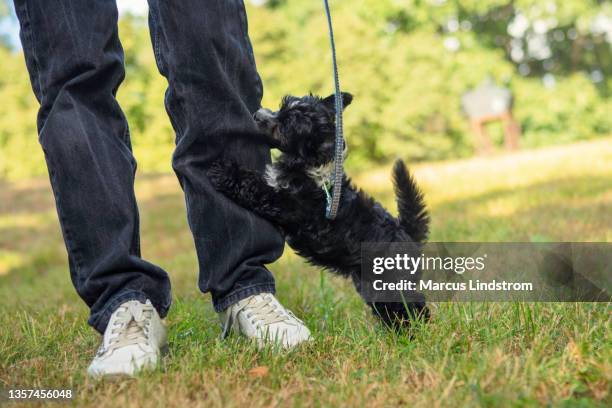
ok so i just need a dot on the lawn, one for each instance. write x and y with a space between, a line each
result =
495 354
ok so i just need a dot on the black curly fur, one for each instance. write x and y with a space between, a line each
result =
289 197
413 215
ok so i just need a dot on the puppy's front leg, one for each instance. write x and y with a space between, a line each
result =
246 187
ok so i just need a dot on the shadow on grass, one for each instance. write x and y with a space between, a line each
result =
569 209
25 199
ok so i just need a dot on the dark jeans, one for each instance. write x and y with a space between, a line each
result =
76 64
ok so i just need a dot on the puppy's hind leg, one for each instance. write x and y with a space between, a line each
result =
398 315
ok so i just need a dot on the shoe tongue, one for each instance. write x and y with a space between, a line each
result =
256 299
135 309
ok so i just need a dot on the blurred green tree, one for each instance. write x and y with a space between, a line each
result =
407 61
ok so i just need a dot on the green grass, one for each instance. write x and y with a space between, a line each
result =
505 354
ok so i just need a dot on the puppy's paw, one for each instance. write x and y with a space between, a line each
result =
219 174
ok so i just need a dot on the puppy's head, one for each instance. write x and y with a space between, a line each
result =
303 127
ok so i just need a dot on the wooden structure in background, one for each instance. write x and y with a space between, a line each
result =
488 103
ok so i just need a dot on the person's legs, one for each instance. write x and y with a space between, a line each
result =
75 61
202 48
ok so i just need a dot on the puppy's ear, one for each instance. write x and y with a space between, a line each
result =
330 101
347 98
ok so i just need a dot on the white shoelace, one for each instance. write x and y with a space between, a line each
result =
265 310
131 326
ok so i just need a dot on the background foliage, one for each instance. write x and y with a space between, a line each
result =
407 62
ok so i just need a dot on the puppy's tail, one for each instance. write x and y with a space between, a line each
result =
413 215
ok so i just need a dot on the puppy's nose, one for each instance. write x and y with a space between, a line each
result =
264 115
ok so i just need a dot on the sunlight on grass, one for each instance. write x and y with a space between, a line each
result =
468 355
10 260
22 221
453 180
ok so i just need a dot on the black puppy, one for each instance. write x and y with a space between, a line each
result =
291 195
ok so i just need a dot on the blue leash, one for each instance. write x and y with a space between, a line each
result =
333 201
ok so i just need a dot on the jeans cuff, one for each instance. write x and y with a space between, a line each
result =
100 321
242 293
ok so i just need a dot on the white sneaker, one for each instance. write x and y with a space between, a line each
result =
262 318
132 341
